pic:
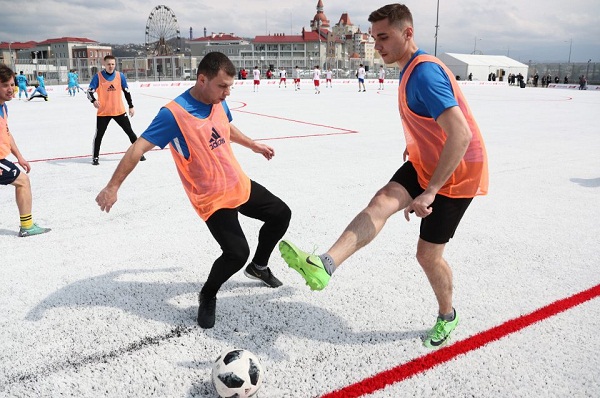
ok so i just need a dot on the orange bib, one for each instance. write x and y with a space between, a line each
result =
109 96
5 146
425 140
211 176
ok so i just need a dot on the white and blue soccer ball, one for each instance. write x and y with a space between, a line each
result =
237 373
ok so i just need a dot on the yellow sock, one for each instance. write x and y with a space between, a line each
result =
26 221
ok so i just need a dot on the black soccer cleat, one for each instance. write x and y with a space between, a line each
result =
95 162
266 276
206 311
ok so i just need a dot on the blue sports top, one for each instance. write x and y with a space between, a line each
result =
429 91
164 129
41 81
21 80
109 77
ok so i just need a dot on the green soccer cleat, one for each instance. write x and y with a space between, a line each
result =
440 334
34 230
309 266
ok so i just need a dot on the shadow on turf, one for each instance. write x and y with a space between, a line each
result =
249 315
8 232
587 182
243 309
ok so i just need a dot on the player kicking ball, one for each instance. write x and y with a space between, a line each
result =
445 170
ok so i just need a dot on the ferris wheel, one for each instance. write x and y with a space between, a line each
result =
162 31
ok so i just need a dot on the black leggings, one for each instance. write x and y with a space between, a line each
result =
102 124
225 228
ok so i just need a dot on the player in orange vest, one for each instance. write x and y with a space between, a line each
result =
109 84
197 126
446 168
9 172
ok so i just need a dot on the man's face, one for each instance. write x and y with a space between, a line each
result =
110 65
7 90
215 90
391 41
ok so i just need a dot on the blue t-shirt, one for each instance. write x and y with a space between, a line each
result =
21 80
164 129
41 81
96 82
428 91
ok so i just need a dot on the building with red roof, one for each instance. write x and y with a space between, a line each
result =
322 44
55 57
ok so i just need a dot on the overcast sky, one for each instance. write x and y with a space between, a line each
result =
537 30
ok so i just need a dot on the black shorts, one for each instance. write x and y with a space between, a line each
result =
10 172
440 225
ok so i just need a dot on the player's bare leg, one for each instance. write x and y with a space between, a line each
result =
439 273
390 199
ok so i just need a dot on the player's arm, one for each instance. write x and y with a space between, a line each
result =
127 93
435 92
459 136
240 138
108 196
91 90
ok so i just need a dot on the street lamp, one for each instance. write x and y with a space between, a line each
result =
475 45
437 18
35 61
319 33
10 55
587 70
570 48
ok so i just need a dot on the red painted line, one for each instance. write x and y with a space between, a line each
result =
445 354
81 156
299 121
306 136
243 105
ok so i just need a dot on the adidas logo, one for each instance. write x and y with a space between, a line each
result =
215 139
111 88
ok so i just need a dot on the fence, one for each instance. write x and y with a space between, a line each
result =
591 70
171 68
183 67
56 70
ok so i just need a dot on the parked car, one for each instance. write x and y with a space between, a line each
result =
188 73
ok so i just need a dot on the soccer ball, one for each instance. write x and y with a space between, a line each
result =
237 373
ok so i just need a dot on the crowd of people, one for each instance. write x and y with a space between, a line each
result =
547 80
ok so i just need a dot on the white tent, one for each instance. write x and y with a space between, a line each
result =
482 65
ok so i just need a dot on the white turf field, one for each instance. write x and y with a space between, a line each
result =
105 305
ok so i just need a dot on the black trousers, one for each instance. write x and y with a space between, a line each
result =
225 228
102 124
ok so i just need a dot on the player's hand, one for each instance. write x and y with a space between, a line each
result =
96 104
131 112
420 206
25 165
106 199
265 150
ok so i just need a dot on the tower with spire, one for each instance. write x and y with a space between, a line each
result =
320 19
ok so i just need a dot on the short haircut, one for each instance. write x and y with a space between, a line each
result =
213 62
109 56
398 14
6 74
